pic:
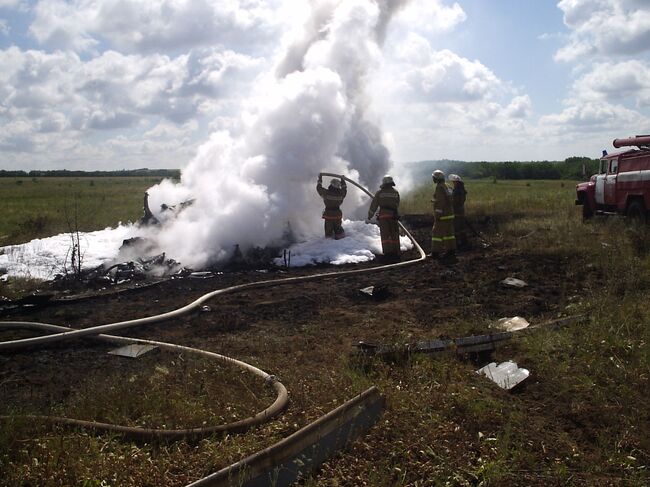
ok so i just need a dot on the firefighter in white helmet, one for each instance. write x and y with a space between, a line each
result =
387 201
458 196
333 196
443 239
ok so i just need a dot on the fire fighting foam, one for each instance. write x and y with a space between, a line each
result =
44 258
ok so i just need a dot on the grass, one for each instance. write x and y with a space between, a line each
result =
40 207
581 420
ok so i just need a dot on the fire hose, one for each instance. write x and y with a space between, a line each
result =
167 434
60 333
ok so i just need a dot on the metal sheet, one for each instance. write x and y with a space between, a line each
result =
132 351
296 456
506 375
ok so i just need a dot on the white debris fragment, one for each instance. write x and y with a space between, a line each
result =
132 351
511 324
513 282
506 375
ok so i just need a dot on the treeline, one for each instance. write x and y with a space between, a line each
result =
59 173
576 168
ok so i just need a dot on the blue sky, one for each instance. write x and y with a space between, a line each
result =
111 84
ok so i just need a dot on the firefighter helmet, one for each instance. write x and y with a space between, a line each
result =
335 183
438 175
387 181
455 178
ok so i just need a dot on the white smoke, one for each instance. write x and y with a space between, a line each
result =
309 114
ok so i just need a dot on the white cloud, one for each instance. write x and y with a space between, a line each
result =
154 26
605 27
46 97
12 4
430 16
592 117
629 79
427 76
434 102
4 27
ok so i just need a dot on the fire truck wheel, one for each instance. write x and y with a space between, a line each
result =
587 211
636 212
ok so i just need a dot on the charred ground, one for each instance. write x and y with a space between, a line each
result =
576 421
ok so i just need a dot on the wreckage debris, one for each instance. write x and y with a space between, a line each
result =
132 351
507 375
378 293
513 282
511 324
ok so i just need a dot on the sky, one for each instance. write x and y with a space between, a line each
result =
119 84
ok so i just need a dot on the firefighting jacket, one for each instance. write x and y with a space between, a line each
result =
387 200
442 202
332 197
459 195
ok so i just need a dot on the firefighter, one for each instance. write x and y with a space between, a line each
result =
333 196
458 196
443 239
387 200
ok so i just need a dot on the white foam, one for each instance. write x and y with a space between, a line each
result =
43 258
361 243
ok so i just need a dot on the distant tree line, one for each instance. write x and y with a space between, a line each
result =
576 168
163 173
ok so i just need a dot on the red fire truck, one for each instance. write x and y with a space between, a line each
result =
623 184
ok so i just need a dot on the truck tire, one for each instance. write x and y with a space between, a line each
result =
636 212
587 210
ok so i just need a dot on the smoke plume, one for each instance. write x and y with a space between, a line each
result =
309 114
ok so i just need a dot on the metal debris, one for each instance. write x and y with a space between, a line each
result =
132 351
201 275
377 293
513 282
506 375
511 324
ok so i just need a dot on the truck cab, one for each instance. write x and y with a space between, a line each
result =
622 185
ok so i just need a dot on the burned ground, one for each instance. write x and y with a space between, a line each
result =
443 424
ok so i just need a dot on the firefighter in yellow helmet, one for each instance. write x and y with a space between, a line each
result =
387 200
333 196
458 196
443 239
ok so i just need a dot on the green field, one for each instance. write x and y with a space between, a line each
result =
596 374
41 207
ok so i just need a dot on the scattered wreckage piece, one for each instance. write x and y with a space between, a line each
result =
463 345
515 323
471 344
378 293
507 375
148 218
513 282
299 454
132 351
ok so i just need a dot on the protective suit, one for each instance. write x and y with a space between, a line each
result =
459 195
443 238
333 196
387 201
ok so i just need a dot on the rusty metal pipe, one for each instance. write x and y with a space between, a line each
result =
638 141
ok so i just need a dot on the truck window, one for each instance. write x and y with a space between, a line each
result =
613 166
603 166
